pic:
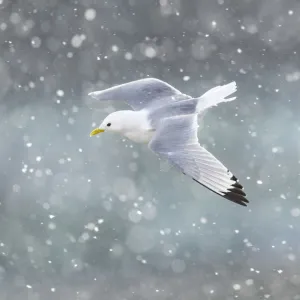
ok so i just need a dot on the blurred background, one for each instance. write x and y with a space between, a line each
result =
102 218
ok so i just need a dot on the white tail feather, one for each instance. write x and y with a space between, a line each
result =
216 95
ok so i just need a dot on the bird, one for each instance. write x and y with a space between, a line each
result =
167 120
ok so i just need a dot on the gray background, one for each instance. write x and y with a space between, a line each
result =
94 218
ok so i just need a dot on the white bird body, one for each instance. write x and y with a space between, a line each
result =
166 119
136 125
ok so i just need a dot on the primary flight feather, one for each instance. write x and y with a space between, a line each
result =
166 119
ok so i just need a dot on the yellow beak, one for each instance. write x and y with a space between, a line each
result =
96 131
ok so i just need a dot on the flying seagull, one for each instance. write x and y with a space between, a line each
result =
166 120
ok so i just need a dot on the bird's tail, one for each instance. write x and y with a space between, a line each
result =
216 95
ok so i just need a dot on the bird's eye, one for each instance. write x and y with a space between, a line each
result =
108 124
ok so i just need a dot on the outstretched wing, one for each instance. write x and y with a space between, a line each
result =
140 94
176 139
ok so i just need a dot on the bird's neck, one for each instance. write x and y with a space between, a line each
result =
134 120
137 126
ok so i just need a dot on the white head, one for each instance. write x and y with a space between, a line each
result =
119 121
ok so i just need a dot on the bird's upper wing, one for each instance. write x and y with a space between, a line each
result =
176 139
140 94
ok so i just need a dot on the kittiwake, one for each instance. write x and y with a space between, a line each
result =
166 119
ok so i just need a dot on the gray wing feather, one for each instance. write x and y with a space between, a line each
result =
141 94
176 140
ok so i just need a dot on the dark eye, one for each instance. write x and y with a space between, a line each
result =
108 124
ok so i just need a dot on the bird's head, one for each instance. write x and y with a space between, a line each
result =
118 121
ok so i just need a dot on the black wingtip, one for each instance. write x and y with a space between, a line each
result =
236 193
236 198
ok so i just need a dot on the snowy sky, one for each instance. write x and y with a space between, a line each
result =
84 217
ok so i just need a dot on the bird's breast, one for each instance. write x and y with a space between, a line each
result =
140 136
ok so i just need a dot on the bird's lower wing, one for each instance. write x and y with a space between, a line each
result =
176 140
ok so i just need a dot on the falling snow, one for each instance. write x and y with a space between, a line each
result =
78 211
90 14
